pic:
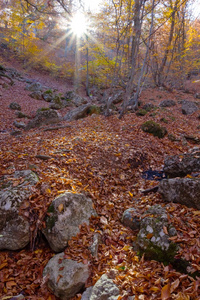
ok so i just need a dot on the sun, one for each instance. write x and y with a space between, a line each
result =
79 24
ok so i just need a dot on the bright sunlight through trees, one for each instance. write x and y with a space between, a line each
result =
79 24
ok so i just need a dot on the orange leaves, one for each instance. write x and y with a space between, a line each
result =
60 207
3 265
165 292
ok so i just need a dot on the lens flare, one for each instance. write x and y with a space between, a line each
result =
79 24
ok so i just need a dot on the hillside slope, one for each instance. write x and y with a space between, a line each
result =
105 159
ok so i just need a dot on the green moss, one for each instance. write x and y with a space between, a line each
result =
156 253
57 100
48 92
154 128
164 120
172 118
93 109
50 222
43 109
51 218
51 209
153 114
141 112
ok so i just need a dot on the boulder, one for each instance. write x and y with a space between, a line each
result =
14 228
21 115
65 277
78 113
181 165
131 218
19 124
36 95
76 99
65 214
44 117
104 289
189 107
35 86
48 95
14 106
148 106
56 102
185 191
152 239
167 103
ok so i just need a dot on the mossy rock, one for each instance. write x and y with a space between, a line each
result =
154 128
93 109
48 92
156 253
141 112
21 115
42 109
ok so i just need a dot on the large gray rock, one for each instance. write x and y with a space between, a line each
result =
152 239
167 103
36 95
76 99
19 124
104 289
185 191
65 214
14 228
181 165
189 107
65 277
78 113
15 106
35 86
44 117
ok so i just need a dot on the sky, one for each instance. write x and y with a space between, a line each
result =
195 8
92 4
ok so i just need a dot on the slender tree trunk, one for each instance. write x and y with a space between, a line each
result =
167 50
134 101
134 53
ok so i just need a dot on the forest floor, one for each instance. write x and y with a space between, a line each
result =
105 158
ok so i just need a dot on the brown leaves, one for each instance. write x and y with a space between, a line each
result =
104 158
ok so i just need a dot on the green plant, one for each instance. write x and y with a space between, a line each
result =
141 112
154 128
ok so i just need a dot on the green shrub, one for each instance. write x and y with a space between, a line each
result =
154 128
141 112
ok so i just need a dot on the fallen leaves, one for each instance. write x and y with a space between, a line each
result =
103 157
